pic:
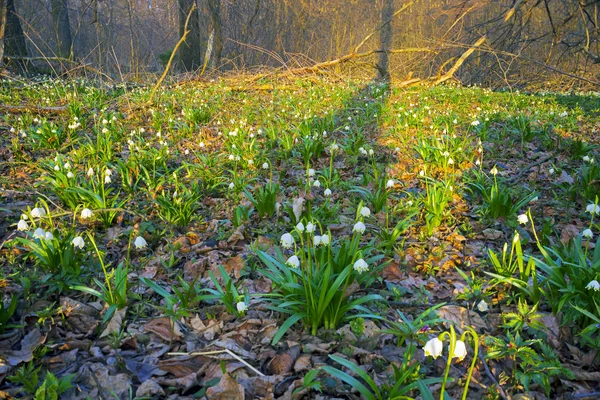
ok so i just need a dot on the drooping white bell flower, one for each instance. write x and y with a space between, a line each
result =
361 266
433 348
22 225
78 242
359 227
287 240
460 350
86 213
140 242
293 261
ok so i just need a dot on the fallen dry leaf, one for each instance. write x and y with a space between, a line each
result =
227 389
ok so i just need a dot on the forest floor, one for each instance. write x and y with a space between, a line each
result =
301 238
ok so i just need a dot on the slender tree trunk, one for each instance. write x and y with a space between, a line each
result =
190 53
62 28
14 39
383 67
2 26
215 17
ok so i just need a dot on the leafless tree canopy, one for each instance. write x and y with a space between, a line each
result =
540 39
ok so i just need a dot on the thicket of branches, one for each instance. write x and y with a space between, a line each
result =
510 40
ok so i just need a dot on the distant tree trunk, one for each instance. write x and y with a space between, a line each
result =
62 27
2 26
383 67
190 52
215 17
14 39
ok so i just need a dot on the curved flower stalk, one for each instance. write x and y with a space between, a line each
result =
456 349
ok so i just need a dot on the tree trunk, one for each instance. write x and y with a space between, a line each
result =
2 26
190 52
215 17
14 39
62 28
385 38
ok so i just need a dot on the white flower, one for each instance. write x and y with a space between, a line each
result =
390 183
334 147
300 227
593 209
48 236
551 171
311 172
523 219
39 233
38 212
325 240
361 266
494 171
108 172
310 227
586 159
107 180
450 161
475 123
316 183
265 166
460 350
22 225
365 212
587 234
86 213
371 152
241 307
140 242
593 285
78 242
327 192
482 306
90 172
67 165
293 261
359 227
56 168
433 348
70 175
316 240
231 185
287 240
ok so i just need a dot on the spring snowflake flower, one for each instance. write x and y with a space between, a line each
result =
334 147
551 171
265 165
56 168
39 233
593 209
38 212
311 172
310 227
327 192
107 180
494 171
482 306
433 348
593 285
316 240
108 172
22 225
78 242
325 240
316 183
475 123
90 172
450 161
293 261
586 158
86 213
359 227
287 240
48 236
300 227
523 219
231 185
460 350
361 266
140 242
67 165
390 183
587 234
241 307
365 212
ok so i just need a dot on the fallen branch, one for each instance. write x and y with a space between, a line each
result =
214 352
33 109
